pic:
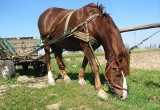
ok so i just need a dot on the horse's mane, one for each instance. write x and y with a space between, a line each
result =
98 6
118 47
111 27
119 50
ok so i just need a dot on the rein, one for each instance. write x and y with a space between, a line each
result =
117 86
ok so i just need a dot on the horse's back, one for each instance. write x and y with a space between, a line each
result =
49 18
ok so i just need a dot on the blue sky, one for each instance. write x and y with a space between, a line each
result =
19 17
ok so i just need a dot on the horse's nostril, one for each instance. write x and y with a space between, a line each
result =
120 97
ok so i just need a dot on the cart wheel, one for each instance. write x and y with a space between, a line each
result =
40 68
25 67
8 69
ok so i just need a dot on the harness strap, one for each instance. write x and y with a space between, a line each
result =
67 20
91 17
57 26
86 21
72 32
109 85
86 38
117 86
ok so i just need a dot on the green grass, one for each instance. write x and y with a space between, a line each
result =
144 92
101 53
81 55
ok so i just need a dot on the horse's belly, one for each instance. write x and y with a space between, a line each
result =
70 44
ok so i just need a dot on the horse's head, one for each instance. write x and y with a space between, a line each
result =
106 32
115 73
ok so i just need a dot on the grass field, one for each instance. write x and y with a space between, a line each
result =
144 92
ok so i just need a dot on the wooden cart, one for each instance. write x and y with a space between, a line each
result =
14 51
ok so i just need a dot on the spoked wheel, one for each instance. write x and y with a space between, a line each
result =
8 69
40 68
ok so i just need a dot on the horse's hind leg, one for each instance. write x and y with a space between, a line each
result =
51 81
81 72
94 66
61 65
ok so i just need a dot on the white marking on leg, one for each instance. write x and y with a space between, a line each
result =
50 78
81 81
124 86
67 79
102 94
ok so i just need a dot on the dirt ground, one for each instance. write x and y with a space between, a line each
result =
143 60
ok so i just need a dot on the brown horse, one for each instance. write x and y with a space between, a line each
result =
90 19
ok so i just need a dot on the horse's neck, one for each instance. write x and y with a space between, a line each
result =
111 42
108 50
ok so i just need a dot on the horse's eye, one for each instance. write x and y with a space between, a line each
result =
118 75
117 72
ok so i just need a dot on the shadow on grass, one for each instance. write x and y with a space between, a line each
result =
29 72
152 84
88 76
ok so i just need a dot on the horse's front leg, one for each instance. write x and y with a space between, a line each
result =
61 65
82 70
94 66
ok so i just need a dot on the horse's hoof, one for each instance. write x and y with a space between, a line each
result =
67 79
102 94
52 82
81 81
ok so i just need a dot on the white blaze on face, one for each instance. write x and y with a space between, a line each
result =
124 86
